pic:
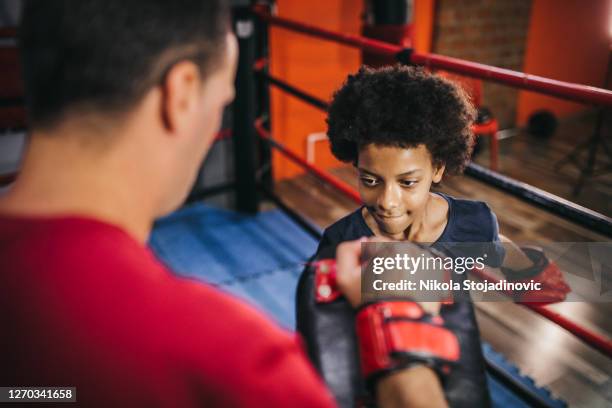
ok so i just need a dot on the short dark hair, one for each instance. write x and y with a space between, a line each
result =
104 55
402 106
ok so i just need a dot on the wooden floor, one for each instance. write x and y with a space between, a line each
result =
552 356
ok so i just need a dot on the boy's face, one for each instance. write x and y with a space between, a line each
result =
394 184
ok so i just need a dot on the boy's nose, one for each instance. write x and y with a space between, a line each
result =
389 200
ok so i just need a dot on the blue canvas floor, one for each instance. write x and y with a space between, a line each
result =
259 259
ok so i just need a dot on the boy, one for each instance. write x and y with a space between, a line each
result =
403 129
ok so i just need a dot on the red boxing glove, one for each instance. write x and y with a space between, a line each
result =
397 334
554 288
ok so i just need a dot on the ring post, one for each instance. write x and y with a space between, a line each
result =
247 196
262 53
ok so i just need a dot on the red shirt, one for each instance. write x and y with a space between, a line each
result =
83 304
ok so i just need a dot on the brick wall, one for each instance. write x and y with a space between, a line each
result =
492 32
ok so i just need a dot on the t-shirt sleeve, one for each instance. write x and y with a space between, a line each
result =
475 233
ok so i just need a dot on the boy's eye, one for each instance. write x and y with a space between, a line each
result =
408 183
369 182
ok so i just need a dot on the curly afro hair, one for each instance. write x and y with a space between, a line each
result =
402 106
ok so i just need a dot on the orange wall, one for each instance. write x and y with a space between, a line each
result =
568 40
315 66
319 67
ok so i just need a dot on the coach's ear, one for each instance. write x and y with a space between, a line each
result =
180 95
438 173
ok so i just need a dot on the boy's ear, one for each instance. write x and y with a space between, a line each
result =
438 173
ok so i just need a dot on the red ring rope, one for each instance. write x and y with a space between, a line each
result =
566 90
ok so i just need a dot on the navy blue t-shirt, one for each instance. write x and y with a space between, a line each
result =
468 221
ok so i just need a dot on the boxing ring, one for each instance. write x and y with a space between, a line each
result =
281 240
533 195
258 256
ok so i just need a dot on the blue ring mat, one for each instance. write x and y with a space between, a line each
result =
259 258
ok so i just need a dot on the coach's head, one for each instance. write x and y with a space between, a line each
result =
136 85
